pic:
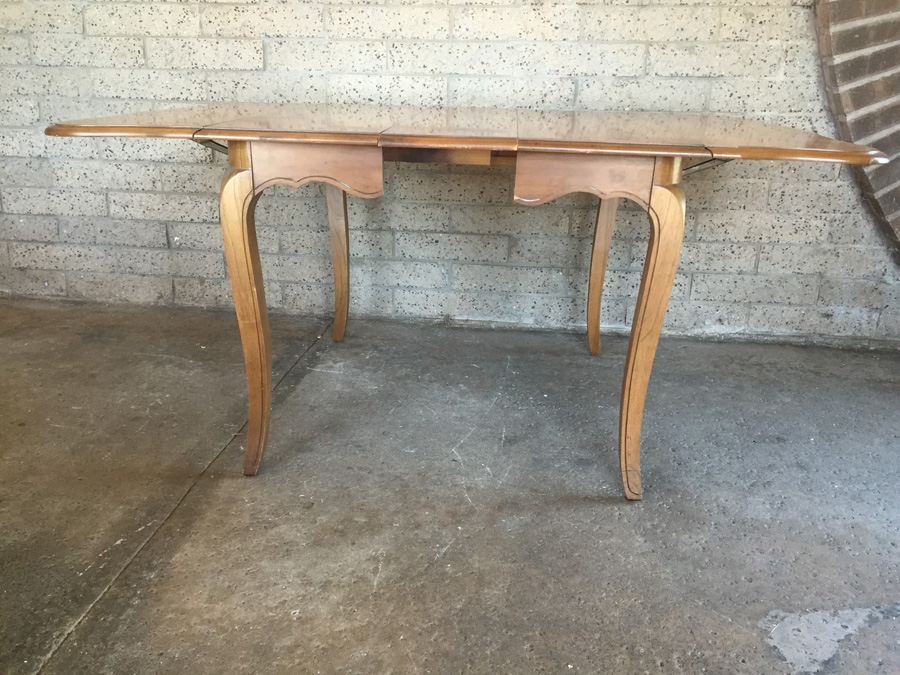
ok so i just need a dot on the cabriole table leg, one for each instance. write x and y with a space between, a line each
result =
336 202
236 204
603 231
666 211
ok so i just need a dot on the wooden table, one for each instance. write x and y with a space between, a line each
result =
636 156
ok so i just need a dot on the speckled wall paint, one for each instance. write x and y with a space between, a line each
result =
771 249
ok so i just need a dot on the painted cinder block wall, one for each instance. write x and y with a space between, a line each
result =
771 249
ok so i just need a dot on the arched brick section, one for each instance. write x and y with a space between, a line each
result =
859 43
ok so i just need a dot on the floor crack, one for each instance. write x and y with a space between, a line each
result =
71 629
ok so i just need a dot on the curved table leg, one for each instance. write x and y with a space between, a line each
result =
336 201
666 213
236 205
603 231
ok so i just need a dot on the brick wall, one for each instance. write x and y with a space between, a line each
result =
771 249
859 41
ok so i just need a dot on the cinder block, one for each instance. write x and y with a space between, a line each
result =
648 24
548 250
715 59
28 228
202 292
712 195
453 188
752 95
282 19
153 84
294 212
581 59
801 58
265 87
690 317
837 261
14 49
41 17
203 264
620 283
328 56
856 293
193 177
527 22
308 298
533 93
35 81
116 259
296 268
708 257
18 111
397 273
852 229
533 309
62 108
319 299
154 19
388 89
204 53
386 23
32 282
25 172
458 247
96 230
515 220
756 226
814 198
495 279
53 201
370 301
776 171
74 174
41 256
371 244
424 302
760 24
389 214
787 289
459 58
643 93
217 292
805 320
84 50
889 323
130 288
208 237
22 142
199 208
631 223
304 241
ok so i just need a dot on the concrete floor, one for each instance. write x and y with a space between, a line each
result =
438 500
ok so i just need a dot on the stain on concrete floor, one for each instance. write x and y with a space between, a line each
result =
447 500
810 641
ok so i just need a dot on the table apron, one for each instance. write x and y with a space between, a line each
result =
544 176
355 169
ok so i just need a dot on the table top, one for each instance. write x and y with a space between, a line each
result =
611 133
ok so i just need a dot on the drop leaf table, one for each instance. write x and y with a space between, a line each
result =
635 156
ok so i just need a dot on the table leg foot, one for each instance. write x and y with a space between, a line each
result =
666 211
336 201
603 231
236 205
